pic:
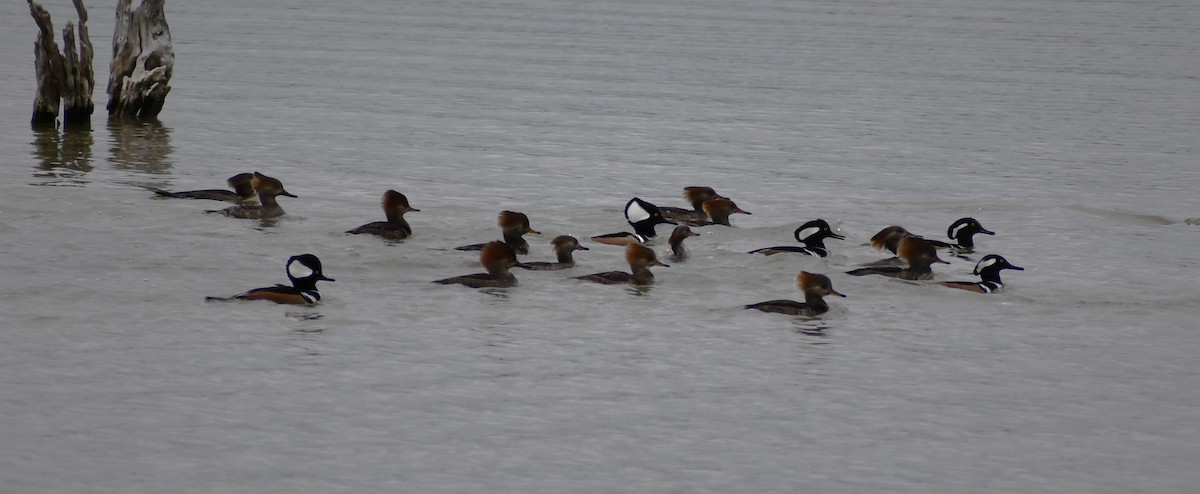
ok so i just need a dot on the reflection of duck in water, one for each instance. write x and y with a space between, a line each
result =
266 188
242 191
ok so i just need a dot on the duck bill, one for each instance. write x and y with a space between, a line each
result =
985 231
740 210
939 260
1018 268
835 292
834 235
288 194
324 278
660 263
532 231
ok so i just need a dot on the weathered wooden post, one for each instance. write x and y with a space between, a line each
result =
142 62
62 77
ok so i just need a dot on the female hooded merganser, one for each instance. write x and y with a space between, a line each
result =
395 228
497 258
563 245
266 188
642 216
681 233
920 255
811 234
640 259
988 269
814 286
695 216
304 270
961 231
513 225
718 211
240 183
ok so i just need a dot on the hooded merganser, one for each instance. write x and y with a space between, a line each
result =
513 225
240 183
563 245
497 258
963 233
988 269
303 270
642 216
920 255
681 233
640 259
266 188
695 216
811 234
395 228
814 286
718 210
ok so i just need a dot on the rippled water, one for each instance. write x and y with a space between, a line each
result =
1069 128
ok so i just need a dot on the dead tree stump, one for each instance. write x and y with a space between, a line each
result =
62 77
142 62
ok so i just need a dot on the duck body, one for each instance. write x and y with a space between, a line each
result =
303 270
267 189
919 255
394 206
564 247
642 216
695 216
988 269
814 286
640 259
681 233
513 227
497 258
811 234
240 183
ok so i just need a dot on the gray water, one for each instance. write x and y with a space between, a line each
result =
1068 127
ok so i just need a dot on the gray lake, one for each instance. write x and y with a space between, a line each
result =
1070 128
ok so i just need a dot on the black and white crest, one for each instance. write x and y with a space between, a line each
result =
637 210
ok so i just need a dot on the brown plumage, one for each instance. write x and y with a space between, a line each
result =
267 189
394 206
814 286
497 258
696 216
563 246
681 233
512 225
718 210
620 238
640 259
920 255
240 183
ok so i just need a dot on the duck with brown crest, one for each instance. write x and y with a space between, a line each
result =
918 253
240 183
267 189
640 259
681 233
564 246
513 226
814 287
497 258
394 206
696 216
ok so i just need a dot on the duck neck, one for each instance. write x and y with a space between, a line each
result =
499 271
720 217
642 275
565 256
513 238
991 276
644 228
397 218
816 302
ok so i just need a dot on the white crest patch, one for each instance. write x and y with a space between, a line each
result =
984 264
635 213
808 232
298 270
954 231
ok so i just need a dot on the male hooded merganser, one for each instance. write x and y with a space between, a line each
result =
811 234
563 245
681 233
920 255
963 233
266 188
695 216
814 286
642 216
718 211
240 183
640 259
988 269
497 258
513 225
304 270
395 228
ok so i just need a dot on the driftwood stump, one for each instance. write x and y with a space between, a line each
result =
62 77
142 62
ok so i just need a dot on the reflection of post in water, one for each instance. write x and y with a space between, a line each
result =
63 157
143 146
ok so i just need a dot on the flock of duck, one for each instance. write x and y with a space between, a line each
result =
914 254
